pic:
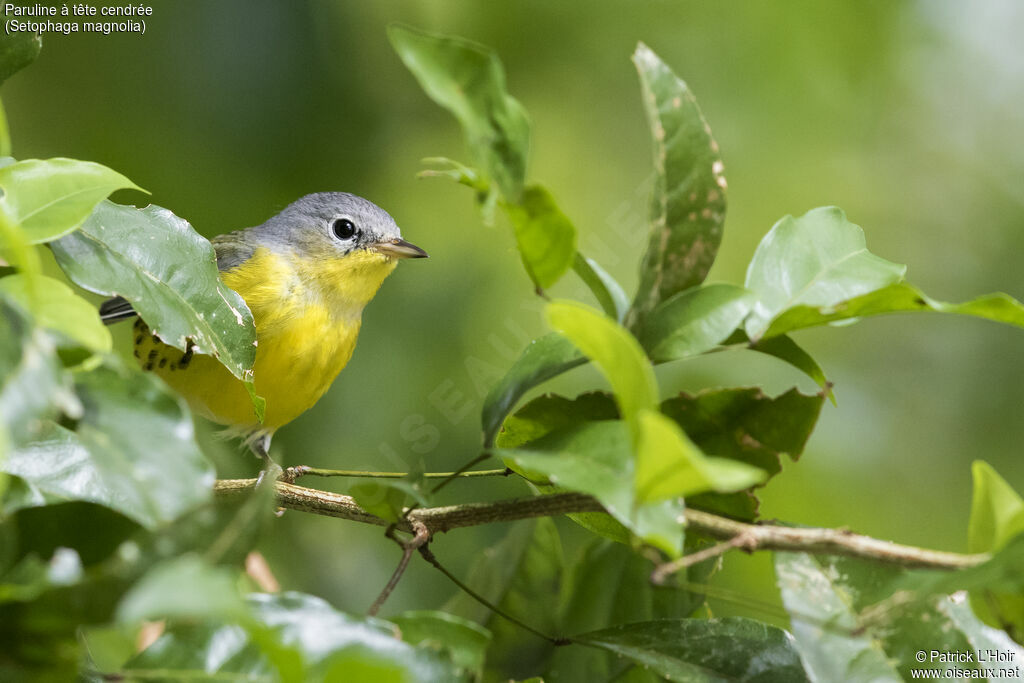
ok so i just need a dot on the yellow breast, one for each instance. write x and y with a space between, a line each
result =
307 317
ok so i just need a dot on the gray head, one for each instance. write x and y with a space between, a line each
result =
332 224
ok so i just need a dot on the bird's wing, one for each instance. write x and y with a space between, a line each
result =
231 250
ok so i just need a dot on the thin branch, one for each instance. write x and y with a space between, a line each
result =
421 536
755 536
663 571
306 470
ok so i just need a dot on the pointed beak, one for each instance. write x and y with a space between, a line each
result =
397 248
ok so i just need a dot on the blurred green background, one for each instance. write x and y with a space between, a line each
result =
905 114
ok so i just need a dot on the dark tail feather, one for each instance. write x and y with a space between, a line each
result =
113 310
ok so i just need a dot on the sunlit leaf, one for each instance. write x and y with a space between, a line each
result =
596 458
603 286
56 307
468 80
897 298
168 272
820 259
997 517
51 197
690 650
133 451
694 321
669 465
613 349
545 236
542 359
688 206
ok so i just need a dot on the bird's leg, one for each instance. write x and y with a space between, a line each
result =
261 448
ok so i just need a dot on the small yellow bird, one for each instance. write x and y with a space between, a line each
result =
306 275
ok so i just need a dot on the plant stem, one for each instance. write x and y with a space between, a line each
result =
305 470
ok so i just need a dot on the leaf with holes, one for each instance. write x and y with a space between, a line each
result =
168 272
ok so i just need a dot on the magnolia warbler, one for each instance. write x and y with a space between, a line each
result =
306 275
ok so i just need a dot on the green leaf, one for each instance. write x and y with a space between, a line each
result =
551 412
603 286
133 451
897 298
747 425
168 272
56 307
820 260
694 321
997 517
17 50
545 236
31 576
689 650
468 80
52 197
462 641
688 206
32 385
614 350
288 637
785 349
843 635
5 134
997 511
184 587
544 358
596 458
669 465
388 499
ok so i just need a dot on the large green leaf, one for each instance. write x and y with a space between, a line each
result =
32 385
468 80
56 307
897 298
542 359
545 236
694 321
820 259
690 650
613 349
168 272
785 349
605 288
51 197
133 451
842 634
18 49
288 637
688 207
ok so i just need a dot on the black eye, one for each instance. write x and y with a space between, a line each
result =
343 228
